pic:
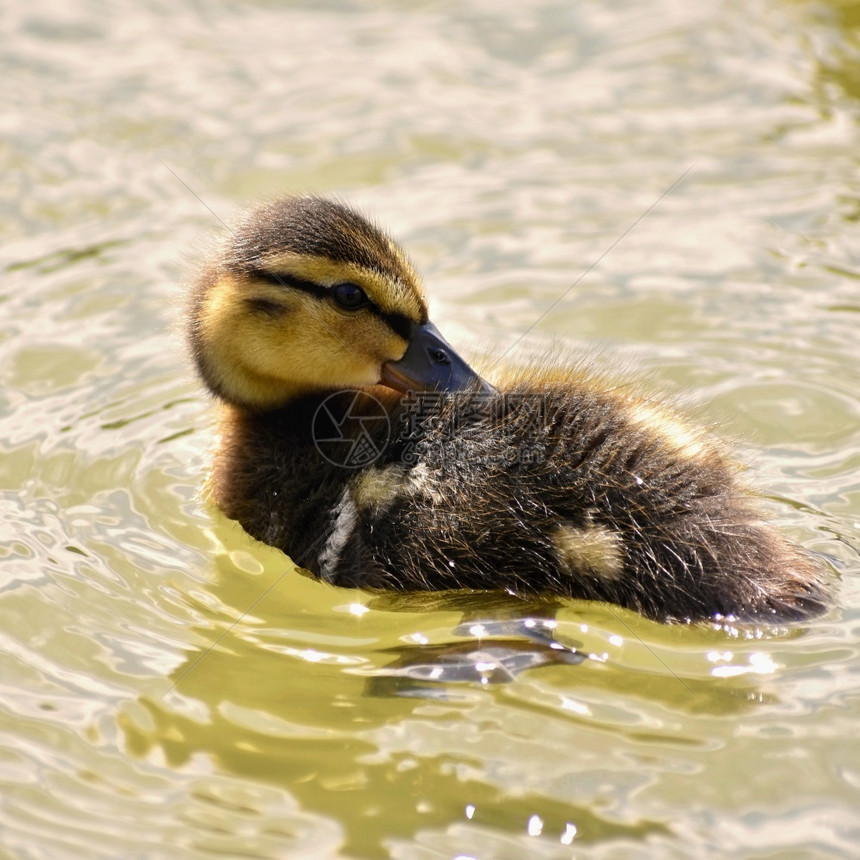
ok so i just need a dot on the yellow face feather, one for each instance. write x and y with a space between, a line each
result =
308 296
300 344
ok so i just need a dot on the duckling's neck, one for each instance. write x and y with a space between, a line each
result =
299 457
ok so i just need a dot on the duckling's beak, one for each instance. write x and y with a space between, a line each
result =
431 364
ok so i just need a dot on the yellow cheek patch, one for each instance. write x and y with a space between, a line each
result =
592 550
304 344
222 302
362 334
228 349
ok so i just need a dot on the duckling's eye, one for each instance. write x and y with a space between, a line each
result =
349 296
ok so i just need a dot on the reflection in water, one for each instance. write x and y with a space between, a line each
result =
260 714
477 661
391 744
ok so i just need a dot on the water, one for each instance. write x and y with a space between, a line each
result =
170 689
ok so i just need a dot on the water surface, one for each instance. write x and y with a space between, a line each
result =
168 688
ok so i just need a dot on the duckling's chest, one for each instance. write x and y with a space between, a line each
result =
347 485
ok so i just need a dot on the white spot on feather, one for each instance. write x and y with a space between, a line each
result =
378 489
345 518
422 483
592 550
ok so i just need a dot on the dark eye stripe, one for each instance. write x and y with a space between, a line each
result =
400 324
284 280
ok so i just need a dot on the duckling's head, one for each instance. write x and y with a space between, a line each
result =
308 296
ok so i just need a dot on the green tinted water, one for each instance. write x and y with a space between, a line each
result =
170 689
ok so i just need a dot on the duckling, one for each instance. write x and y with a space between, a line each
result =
354 438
